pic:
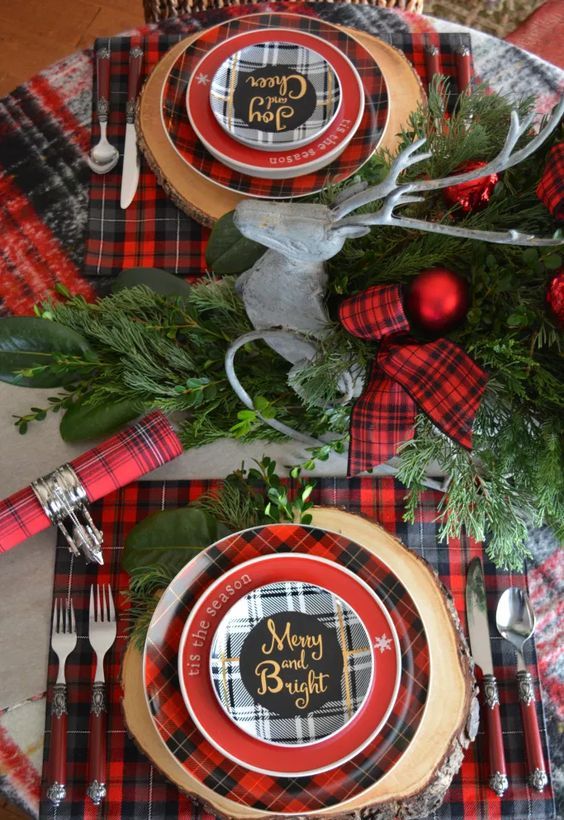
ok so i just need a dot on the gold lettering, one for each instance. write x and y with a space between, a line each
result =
266 116
269 670
293 86
283 113
314 685
301 89
314 642
295 663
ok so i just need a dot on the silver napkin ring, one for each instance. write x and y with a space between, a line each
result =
63 498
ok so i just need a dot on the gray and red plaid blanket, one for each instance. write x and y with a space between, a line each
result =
45 132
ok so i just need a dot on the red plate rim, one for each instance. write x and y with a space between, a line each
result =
335 749
347 164
227 149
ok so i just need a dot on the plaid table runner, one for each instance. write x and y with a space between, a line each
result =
153 232
137 790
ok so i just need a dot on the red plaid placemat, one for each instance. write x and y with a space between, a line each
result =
153 232
136 790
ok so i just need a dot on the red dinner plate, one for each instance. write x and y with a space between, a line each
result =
275 162
185 742
222 732
185 142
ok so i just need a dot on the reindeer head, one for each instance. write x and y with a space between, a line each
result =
300 231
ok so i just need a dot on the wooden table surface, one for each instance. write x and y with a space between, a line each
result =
36 33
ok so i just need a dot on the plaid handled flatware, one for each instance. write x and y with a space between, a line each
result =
101 634
515 622
479 633
63 641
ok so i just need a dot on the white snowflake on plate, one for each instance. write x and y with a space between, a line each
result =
382 643
202 79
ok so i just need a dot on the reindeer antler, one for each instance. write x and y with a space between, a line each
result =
396 194
359 194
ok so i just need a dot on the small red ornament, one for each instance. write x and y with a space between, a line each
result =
437 301
555 297
475 194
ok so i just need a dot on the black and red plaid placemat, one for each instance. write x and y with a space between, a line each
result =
137 790
153 232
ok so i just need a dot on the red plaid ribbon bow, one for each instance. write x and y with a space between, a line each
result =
437 378
550 189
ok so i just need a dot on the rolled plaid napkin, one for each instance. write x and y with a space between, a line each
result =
550 189
114 463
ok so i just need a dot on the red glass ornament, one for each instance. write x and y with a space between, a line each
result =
475 194
555 297
437 301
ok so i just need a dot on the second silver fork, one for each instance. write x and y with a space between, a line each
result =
63 641
101 634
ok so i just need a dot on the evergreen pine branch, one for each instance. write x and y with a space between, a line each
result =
168 352
145 588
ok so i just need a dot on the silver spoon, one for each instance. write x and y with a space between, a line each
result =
103 156
515 621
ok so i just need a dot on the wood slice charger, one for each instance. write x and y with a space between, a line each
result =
207 202
417 783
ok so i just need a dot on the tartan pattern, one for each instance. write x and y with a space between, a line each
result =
292 56
199 757
136 790
374 313
358 151
449 47
123 458
331 612
153 232
442 379
550 189
381 419
436 377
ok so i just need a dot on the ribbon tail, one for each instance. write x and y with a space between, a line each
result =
381 419
445 383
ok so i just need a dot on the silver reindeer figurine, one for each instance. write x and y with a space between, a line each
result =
284 291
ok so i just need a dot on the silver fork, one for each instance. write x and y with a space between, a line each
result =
63 641
101 634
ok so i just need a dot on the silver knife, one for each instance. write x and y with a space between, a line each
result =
477 617
130 172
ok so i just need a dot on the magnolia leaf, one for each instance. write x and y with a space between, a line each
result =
27 342
228 251
169 539
157 280
82 422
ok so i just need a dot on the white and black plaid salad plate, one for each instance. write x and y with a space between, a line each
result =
291 663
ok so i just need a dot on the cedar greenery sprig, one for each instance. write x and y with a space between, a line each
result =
247 498
166 352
